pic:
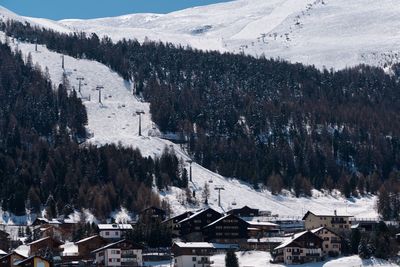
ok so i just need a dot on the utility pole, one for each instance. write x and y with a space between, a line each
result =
219 188
190 169
99 88
80 79
140 112
62 61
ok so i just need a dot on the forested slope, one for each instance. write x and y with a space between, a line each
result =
261 120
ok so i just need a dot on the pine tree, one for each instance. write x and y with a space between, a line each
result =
231 259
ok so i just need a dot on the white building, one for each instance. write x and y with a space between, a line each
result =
121 253
194 254
113 231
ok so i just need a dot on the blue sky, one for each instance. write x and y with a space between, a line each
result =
61 9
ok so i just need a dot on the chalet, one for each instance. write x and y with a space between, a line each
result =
173 223
227 229
114 231
335 221
4 240
191 227
152 214
120 253
50 231
11 259
332 242
196 254
45 245
245 212
34 261
89 244
301 248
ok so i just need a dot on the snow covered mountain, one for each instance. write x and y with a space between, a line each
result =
225 27
331 33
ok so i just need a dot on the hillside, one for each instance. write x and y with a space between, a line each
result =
113 122
326 33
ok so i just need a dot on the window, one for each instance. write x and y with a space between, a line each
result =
107 233
194 259
326 246
116 233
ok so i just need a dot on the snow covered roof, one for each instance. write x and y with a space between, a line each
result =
116 243
194 245
86 239
196 214
267 240
2 252
289 240
256 223
40 240
325 215
115 226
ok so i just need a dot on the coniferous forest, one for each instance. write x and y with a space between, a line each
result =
265 121
43 162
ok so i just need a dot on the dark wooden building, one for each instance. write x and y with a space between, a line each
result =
45 245
152 214
192 227
87 245
301 248
10 259
4 240
34 261
227 229
244 212
173 223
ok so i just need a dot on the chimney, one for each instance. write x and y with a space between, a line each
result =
335 212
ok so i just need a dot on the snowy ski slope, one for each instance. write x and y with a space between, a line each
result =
330 33
113 121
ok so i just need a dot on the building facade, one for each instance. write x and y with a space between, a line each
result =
121 253
332 242
227 229
333 221
192 227
195 254
301 248
113 231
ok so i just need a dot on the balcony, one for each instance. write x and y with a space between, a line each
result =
314 254
340 221
205 262
128 255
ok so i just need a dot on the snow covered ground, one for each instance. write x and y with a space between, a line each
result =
260 259
331 33
114 121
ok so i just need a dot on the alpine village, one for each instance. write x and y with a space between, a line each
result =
243 133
